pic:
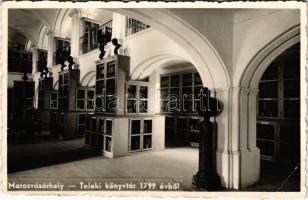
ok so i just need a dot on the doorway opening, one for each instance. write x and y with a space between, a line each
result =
278 122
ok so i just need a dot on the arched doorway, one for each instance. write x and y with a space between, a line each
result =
278 121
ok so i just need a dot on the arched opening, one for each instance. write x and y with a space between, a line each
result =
278 121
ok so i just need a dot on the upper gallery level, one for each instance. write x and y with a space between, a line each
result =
211 40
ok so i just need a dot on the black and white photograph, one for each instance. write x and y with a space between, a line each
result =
171 99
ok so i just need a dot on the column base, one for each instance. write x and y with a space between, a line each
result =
210 183
238 169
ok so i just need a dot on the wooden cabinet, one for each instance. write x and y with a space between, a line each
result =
111 76
120 104
182 130
22 100
74 104
119 136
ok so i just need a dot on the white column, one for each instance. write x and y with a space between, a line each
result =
76 32
238 158
51 48
118 26
35 75
34 59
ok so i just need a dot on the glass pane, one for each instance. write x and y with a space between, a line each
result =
108 127
174 104
90 104
143 106
291 109
271 73
131 106
164 106
147 126
90 94
101 126
54 96
111 69
99 103
143 92
100 85
110 87
197 80
131 91
268 89
111 104
292 89
175 81
187 91
80 94
135 143
164 93
108 144
187 80
164 81
147 141
268 108
265 131
135 129
175 92
197 92
188 106
100 71
80 104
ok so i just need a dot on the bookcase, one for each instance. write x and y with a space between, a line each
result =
74 104
182 130
22 100
116 136
122 123
179 98
278 108
47 105
111 76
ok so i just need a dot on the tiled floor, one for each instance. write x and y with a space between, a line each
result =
176 163
70 159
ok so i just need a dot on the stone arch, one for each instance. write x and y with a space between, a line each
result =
87 78
202 54
257 66
246 98
145 67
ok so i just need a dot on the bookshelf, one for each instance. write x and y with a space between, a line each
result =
121 104
75 103
180 91
112 74
278 108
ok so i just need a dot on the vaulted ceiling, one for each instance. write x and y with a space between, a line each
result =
34 24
